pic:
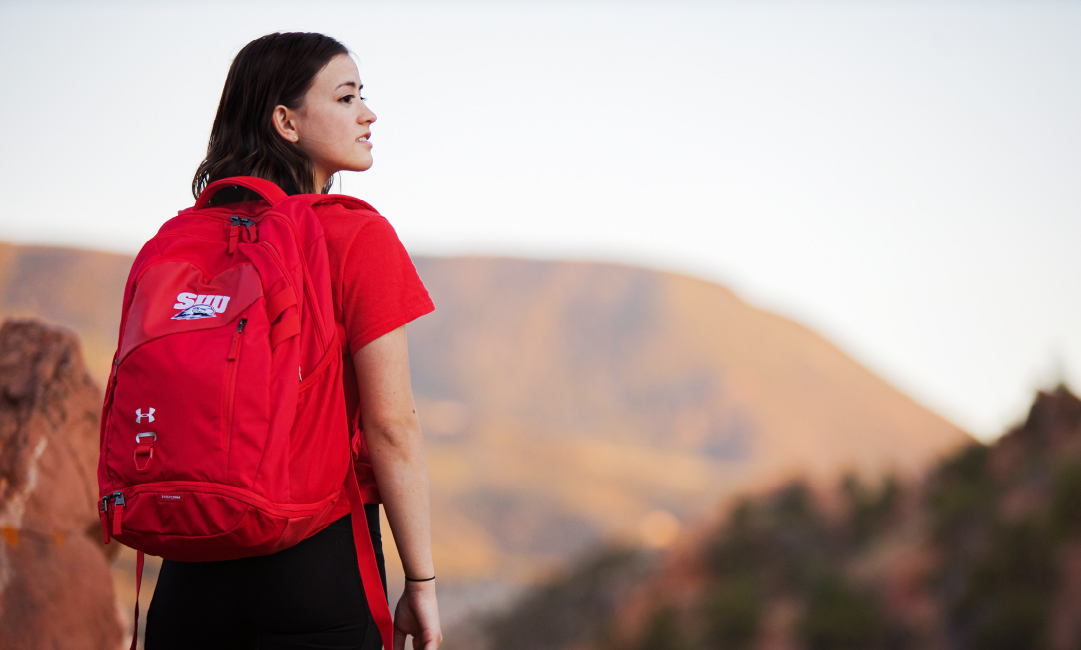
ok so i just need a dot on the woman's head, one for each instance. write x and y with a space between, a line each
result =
291 113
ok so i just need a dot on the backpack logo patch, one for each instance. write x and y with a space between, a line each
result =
194 306
139 415
196 311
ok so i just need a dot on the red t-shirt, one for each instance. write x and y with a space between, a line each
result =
374 285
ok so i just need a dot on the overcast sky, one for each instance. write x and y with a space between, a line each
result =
901 176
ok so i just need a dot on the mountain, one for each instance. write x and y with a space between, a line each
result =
565 402
983 552
568 403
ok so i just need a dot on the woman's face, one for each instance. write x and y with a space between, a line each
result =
332 126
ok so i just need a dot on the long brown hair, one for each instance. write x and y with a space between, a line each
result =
271 70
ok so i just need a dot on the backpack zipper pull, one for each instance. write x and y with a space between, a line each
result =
248 225
234 229
236 339
118 511
103 510
234 233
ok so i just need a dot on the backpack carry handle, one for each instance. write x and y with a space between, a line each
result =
264 188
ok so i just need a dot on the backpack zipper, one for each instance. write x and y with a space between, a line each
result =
240 494
230 383
235 222
242 221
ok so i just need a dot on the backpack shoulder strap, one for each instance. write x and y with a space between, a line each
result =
369 569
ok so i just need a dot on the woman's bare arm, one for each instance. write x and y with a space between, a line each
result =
392 433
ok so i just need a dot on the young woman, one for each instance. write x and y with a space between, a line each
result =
291 112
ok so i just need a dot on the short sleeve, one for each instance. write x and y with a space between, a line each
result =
381 290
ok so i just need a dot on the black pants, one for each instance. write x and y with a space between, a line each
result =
307 596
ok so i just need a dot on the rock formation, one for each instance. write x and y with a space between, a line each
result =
55 586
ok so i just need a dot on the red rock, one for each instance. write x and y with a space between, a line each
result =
55 586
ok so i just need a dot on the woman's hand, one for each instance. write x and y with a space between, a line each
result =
417 615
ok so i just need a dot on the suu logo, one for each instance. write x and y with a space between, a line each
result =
194 306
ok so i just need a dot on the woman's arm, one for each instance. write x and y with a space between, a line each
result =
396 448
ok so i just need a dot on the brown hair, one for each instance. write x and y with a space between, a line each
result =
271 70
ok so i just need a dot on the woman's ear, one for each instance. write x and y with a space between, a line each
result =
285 123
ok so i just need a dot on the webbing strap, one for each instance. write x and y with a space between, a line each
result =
288 326
118 517
279 302
138 586
369 569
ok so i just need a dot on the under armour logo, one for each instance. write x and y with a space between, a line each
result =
139 415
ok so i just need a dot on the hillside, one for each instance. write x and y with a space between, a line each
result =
566 401
982 553
569 403
79 289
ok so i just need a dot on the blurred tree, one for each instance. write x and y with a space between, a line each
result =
664 631
579 605
1065 511
839 618
870 511
733 614
963 497
1009 591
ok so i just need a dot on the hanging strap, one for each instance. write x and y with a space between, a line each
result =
369 570
264 188
138 586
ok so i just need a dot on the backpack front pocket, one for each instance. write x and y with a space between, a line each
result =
176 388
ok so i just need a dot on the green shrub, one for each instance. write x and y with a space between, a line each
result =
869 510
664 632
839 618
733 614
1008 591
963 496
1064 515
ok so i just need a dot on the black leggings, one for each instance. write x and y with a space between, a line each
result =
307 596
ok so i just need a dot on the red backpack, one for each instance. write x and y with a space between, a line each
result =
224 432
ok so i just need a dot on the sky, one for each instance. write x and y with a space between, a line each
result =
901 176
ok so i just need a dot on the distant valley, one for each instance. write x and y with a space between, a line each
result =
568 403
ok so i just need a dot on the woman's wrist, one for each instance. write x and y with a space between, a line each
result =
408 579
420 587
